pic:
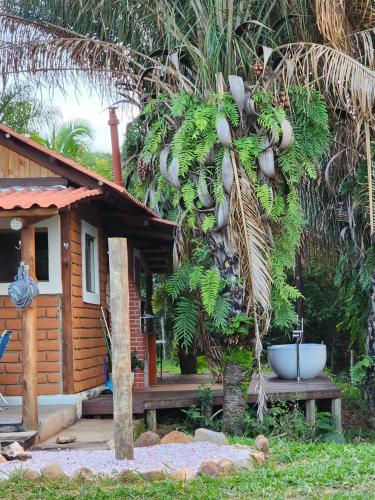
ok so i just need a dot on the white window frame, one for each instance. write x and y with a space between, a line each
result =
87 296
53 285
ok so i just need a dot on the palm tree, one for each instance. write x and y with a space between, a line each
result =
70 139
195 46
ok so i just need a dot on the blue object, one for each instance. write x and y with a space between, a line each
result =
4 341
23 289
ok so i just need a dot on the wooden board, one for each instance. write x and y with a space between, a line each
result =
181 391
15 165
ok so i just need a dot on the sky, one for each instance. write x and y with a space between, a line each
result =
89 107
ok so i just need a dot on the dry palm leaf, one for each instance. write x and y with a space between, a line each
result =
332 22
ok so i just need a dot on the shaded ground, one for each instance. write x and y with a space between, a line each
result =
323 470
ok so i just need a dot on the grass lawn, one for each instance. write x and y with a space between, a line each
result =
295 470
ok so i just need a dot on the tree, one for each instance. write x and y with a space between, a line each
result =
70 139
187 50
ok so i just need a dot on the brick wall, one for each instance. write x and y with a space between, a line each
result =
48 345
89 347
138 341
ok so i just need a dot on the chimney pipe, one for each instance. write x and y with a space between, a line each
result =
116 159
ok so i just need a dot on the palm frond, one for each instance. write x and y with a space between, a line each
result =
334 72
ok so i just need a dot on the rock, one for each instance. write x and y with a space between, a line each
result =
261 443
13 449
127 476
83 474
23 456
53 472
148 438
154 475
65 439
243 463
210 468
30 474
183 474
226 466
241 446
111 444
176 437
3 460
258 456
210 436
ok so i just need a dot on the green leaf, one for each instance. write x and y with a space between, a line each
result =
186 321
209 288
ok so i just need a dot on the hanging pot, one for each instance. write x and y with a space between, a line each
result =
223 131
163 160
203 193
287 137
173 173
267 160
237 89
227 172
222 214
249 105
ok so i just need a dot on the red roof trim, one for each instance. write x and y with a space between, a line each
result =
75 166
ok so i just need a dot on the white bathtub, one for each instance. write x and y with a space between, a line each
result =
283 360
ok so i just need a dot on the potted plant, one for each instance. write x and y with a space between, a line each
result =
135 363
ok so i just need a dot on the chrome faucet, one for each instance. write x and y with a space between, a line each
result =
298 335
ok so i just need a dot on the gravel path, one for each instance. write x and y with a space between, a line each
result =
168 456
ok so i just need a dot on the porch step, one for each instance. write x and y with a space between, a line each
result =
25 439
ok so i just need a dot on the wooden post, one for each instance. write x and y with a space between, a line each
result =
66 304
151 420
29 345
121 361
310 413
336 413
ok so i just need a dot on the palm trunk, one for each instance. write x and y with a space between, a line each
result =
370 351
236 382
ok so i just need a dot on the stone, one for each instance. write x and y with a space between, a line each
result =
210 436
83 474
226 466
176 437
243 463
13 449
261 443
65 439
183 474
210 468
240 446
111 444
127 476
53 472
30 474
154 475
148 438
23 456
3 460
258 456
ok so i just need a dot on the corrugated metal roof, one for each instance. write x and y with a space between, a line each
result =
24 197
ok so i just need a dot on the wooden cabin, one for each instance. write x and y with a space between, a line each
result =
74 212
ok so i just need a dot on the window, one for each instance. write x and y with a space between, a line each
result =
90 264
47 255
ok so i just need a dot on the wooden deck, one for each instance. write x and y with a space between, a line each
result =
181 391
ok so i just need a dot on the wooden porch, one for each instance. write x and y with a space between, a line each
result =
181 391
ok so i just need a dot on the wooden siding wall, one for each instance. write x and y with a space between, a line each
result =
89 348
14 165
48 345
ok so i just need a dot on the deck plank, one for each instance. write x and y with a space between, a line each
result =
180 391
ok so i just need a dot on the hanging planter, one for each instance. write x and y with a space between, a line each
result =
173 173
203 193
266 160
249 105
227 172
287 137
237 89
222 214
223 131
